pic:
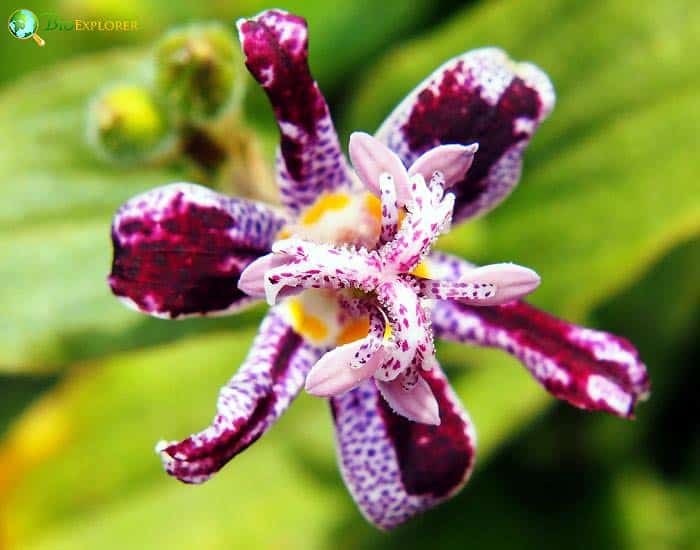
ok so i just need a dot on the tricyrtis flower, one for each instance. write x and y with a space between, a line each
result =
390 298
357 295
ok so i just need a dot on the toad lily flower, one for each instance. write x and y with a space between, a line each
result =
356 294
390 297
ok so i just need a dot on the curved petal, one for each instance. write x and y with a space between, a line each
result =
416 401
590 369
483 97
452 161
252 280
488 285
258 394
275 44
371 158
179 250
334 374
344 367
395 468
313 265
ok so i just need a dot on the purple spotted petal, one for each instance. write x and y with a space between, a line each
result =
483 97
446 266
428 216
313 265
261 390
335 372
488 285
395 468
180 249
590 369
409 326
311 161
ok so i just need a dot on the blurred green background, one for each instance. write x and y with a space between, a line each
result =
608 212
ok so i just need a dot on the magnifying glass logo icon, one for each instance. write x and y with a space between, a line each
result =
23 24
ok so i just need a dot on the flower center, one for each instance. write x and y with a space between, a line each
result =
357 259
351 218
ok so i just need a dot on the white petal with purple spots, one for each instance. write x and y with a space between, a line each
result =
395 468
261 390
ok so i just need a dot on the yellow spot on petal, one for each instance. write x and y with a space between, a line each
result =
374 207
421 270
284 233
402 215
333 201
296 311
354 330
309 326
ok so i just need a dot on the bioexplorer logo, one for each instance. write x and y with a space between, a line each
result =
24 24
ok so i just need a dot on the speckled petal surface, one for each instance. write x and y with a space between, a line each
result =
590 369
395 468
312 265
261 390
409 327
310 161
179 250
428 216
446 266
481 96
488 285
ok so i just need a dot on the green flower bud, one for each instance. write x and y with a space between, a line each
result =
198 70
126 124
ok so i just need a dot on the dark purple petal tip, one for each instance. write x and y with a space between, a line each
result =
179 250
590 369
275 44
479 97
257 395
396 468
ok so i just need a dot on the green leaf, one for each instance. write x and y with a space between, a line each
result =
17 393
594 218
641 496
661 314
660 311
80 465
606 59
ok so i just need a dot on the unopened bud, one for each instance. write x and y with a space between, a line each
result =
198 71
127 125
